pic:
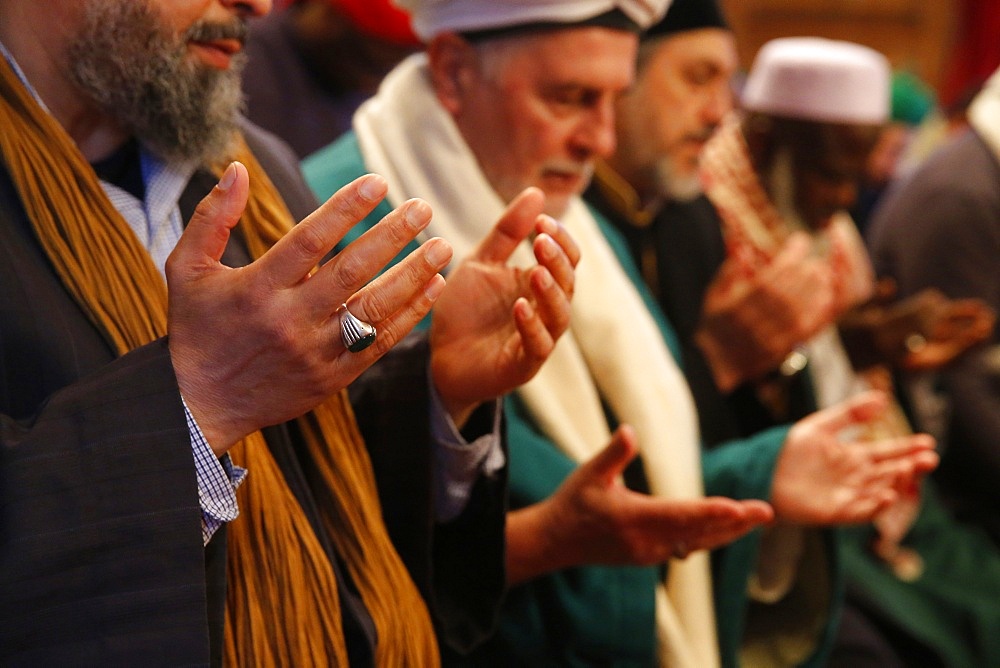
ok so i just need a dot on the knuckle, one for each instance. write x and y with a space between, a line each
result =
349 272
310 241
376 307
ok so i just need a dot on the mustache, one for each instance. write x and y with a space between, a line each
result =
702 135
207 31
585 169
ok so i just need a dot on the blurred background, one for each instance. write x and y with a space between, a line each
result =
951 45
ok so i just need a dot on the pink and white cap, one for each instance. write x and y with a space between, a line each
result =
817 79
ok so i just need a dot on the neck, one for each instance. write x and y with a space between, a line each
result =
639 179
94 132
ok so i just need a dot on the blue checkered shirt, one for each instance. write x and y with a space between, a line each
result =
157 222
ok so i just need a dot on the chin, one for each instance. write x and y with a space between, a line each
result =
557 205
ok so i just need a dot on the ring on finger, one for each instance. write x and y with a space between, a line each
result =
354 332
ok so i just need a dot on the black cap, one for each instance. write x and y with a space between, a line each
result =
685 15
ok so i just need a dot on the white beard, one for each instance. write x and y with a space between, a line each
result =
673 184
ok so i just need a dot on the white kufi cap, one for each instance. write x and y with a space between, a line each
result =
432 17
816 79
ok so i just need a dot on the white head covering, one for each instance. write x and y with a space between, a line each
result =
432 17
818 79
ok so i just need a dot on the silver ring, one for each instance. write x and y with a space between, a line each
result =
915 342
356 334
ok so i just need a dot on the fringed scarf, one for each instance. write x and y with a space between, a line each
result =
282 606
613 349
755 231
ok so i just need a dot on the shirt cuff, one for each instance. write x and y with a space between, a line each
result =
218 479
459 462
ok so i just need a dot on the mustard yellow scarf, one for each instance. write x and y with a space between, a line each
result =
282 606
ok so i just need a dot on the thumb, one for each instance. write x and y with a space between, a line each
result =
206 235
609 463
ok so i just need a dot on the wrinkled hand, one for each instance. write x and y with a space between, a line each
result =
923 332
261 344
824 476
753 318
479 350
593 519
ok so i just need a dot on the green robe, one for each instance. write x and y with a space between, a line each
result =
594 614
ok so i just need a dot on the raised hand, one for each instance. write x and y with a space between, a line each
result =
495 324
826 476
752 318
593 519
261 344
922 332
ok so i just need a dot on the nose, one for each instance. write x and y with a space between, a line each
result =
595 134
718 104
248 8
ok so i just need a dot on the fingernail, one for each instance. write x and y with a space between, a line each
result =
417 213
548 224
435 287
371 187
549 249
228 178
438 251
545 279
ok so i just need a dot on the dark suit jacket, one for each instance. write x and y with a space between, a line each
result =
940 228
101 556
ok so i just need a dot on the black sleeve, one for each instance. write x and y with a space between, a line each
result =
458 566
101 557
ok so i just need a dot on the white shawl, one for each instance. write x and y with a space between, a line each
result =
614 348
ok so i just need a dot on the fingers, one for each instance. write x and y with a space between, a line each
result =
354 266
405 291
550 226
206 235
863 507
299 251
557 260
394 327
536 340
676 527
514 226
893 448
854 411
552 310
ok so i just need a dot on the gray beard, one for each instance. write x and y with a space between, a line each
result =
674 185
140 76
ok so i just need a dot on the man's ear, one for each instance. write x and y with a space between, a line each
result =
453 64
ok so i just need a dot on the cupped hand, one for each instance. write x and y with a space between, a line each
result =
594 519
261 344
922 332
495 324
957 326
826 475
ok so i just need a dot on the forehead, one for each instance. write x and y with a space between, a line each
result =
835 148
713 47
591 57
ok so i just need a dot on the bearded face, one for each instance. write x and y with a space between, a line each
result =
136 70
